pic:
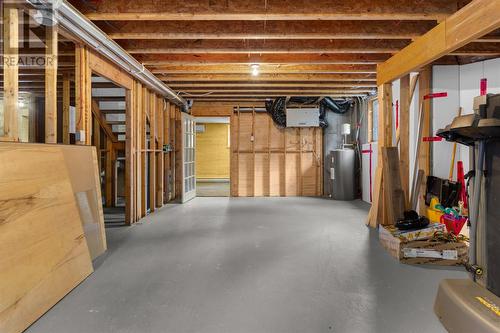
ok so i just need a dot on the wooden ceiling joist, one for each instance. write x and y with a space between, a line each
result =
229 92
250 85
130 10
267 29
265 69
305 58
262 46
266 77
265 96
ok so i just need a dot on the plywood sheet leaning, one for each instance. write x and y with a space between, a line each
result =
393 191
81 162
43 251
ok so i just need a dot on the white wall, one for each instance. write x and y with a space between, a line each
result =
462 85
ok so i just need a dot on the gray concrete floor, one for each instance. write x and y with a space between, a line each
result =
250 265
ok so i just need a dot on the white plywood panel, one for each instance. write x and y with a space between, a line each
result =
492 73
444 79
367 173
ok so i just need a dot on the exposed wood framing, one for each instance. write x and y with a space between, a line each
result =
199 10
109 173
403 135
10 71
160 170
101 120
268 161
142 107
271 30
473 21
152 151
369 118
96 138
424 156
51 84
65 107
83 95
143 147
377 214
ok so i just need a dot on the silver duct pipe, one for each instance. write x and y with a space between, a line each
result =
75 22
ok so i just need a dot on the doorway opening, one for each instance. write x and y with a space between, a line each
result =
108 136
213 157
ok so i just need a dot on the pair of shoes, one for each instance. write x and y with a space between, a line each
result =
412 220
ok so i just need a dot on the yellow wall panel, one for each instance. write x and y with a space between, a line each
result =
212 151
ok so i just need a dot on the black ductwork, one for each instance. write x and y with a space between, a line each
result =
277 108
339 107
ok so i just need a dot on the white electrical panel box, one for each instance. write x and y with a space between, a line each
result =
307 117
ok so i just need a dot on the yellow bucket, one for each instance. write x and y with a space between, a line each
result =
434 215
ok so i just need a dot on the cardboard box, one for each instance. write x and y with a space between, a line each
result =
420 234
423 251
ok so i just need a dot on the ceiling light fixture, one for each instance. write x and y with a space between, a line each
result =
255 69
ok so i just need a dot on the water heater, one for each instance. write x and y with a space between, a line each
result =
342 174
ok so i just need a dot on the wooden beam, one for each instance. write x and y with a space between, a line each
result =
306 58
130 156
274 90
83 95
196 30
109 173
199 10
265 95
96 137
152 154
143 111
424 156
102 121
281 93
404 136
377 214
266 69
160 159
260 85
471 22
51 84
262 46
65 108
10 70
266 77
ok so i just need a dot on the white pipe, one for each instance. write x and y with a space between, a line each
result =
75 22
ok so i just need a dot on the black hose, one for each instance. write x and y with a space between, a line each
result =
339 107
